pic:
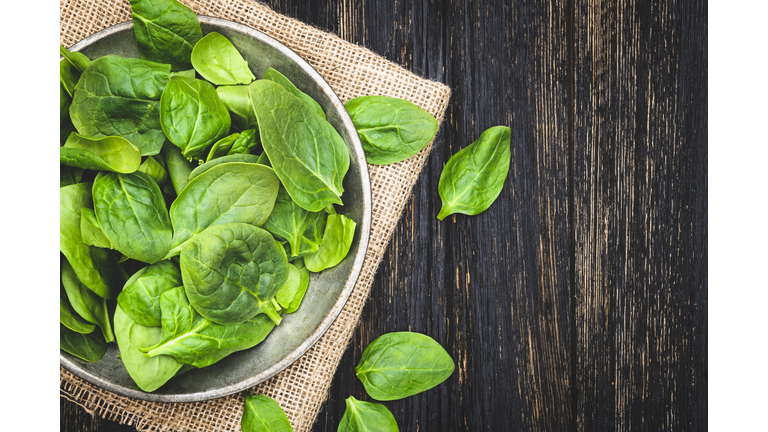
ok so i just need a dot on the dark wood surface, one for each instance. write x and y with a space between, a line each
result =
578 301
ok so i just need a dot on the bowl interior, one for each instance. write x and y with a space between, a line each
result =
327 291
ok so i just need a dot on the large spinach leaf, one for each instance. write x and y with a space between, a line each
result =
149 373
289 222
337 239
397 365
263 414
217 60
473 178
89 347
192 115
390 129
70 318
85 302
232 272
140 297
307 153
363 416
237 101
120 97
131 212
166 31
274 75
229 192
178 166
194 340
111 153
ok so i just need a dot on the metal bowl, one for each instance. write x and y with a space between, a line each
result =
328 291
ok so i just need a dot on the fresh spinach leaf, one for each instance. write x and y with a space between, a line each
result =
390 129
89 347
303 285
192 115
289 289
232 272
274 75
363 416
179 167
153 167
289 222
120 97
397 365
112 153
237 101
149 373
140 297
310 158
185 74
166 31
217 60
69 176
337 239
76 59
229 192
191 339
131 212
65 100
71 319
245 158
69 76
263 414
91 231
85 302
247 143
473 178
222 147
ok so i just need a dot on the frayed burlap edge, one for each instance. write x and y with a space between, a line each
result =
351 71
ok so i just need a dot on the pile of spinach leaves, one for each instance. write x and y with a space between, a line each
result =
195 198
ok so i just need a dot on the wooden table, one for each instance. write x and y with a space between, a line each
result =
578 301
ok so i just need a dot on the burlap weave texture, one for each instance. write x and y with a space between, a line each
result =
351 71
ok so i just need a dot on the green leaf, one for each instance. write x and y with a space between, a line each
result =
273 75
363 416
247 143
65 124
140 297
131 211
70 318
237 101
153 168
91 231
289 289
217 60
337 239
89 347
178 166
289 222
69 176
473 178
309 157
398 365
68 75
149 373
303 285
222 147
390 129
76 59
191 339
263 414
85 302
166 31
192 115
120 97
232 272
244 158
112 153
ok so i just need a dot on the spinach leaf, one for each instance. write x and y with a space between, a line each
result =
194 340
245 158
229 192
217 60
186 74
69 176
166 31
289 289
68 75
76 59
89 347
178 166
232 272
363 416
149 373
397 365
222 147
112 153
91 231
273 75
85 302
337 238
390 129
309 157
247 143
263 414
140 297
120 97
236 99
71 319
289 222
472 179
65 100
95 267
303 285
192 115
154 168
131 212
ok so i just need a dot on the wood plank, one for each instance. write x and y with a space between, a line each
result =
640 194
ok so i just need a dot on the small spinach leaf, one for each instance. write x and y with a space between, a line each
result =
69 176
76 59
274 75
236 99
68 75
337 239
166 31
289 289
85 302
70 318
303 285
112 153
390 129
363 416
140 297
263 414
91 230
89 347
222 147
178 166
289 222
247 143
397 365
217 60
245 158
153 167
473 178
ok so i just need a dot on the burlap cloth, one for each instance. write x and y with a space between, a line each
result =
351 71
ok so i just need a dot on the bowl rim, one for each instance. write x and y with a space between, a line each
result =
365 225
